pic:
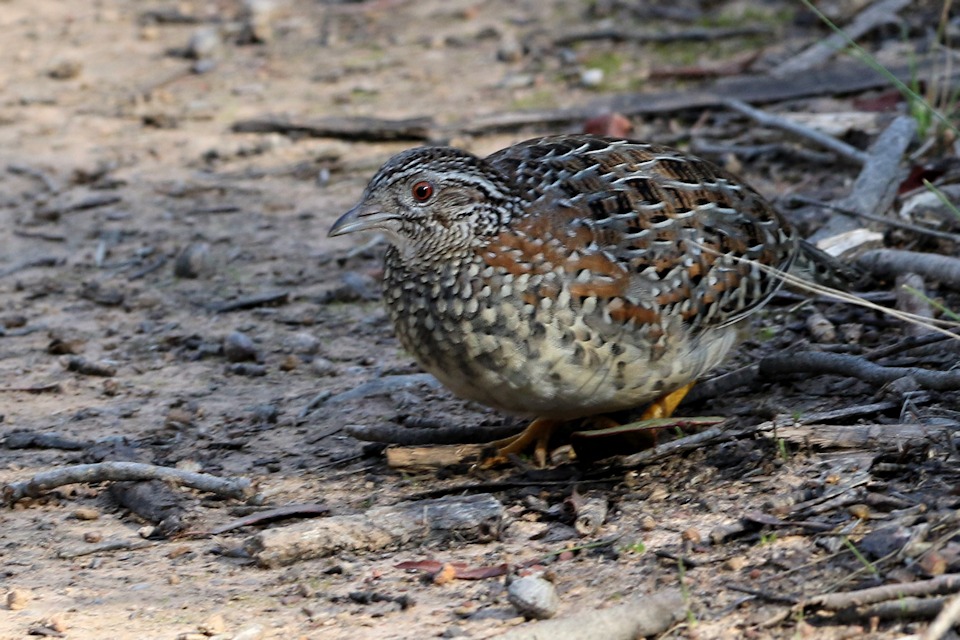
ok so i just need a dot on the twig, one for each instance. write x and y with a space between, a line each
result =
53 387
856 367
32 263
348 128
378 387
890 222
270 515
891 262
722 385
406 435
874 16
900 609
839 79
945 620
769 120
687 35
688 443
116 471
646 616
876 187
946 583
912 299
271 298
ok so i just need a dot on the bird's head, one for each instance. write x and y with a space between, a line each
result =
432 203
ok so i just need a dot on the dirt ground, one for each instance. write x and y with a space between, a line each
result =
131 213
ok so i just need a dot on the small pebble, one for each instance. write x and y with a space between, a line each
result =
86 513
194 261
534 597
323 367
303 342
213 625
253 632
591 77
238 347
17 599
247 369
204 43
56 623
66 70
92 537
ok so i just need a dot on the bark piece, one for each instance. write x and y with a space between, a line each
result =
645 616
466 519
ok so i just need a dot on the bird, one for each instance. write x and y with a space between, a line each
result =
571 276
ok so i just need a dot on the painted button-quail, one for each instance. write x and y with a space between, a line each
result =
570 276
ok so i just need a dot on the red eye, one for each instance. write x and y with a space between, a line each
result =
422 191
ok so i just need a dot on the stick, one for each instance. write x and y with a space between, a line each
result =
113 471
686 35
406 435
645 616
946 583
845 78
769 120
892 262
874 16
465 519
352 128
854 366
876 187
945 620
874 437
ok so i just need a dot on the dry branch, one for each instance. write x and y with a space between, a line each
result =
892 262
407 435
873 437
642 617
686 35
824 363
839 79
946 583
876 15
876 187
466 519
839 147
117 471
355 128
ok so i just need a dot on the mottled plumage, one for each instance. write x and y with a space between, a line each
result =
573 275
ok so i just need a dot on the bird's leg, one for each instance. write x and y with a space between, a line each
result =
664 406
537 434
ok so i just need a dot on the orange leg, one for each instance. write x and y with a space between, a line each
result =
664 407
537 434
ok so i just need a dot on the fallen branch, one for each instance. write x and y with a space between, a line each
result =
238 488
872 17
946 583
899 609
839 79
886 263
946 620
465 519
645 616
355 128
660 37
407 435
824 363
765 119
876 187
871 437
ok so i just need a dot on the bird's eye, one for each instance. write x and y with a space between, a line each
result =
422 191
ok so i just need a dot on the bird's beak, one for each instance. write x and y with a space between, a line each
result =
363 217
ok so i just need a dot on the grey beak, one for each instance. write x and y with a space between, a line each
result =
362 217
